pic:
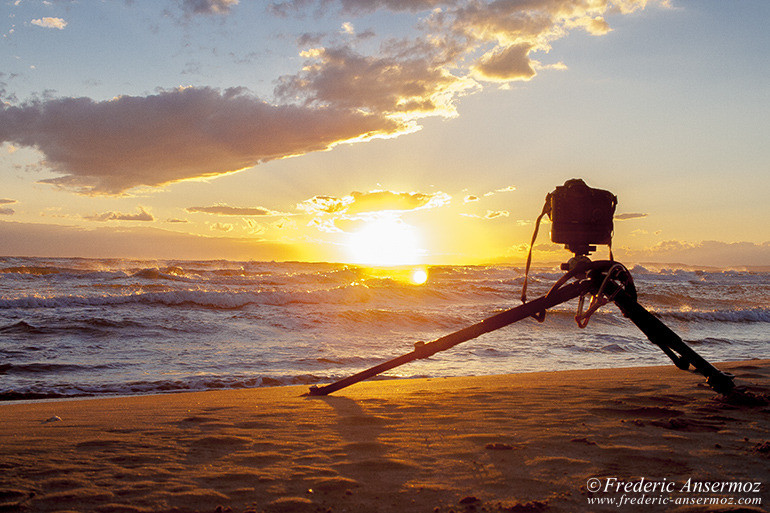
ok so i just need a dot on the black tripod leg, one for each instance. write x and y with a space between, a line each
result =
556 296
662 336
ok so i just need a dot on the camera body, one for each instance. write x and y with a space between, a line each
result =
581 216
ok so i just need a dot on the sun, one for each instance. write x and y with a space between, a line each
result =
386 241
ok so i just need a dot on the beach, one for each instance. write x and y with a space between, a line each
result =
544 441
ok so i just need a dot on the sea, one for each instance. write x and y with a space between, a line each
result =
72 327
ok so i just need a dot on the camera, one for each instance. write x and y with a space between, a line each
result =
581 216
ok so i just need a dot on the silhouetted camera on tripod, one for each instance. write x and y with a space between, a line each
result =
580 216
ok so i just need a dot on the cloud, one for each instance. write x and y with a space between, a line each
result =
339 95
490 214
142 215
191 7
506 64
706 253
225 210
408 82
4 201
361 7
494 214
462 42
347 28
373 201
56 23
253 227
221 227
367 6
470 198
510 188
134 242
109 147
630 215
4 211
324 205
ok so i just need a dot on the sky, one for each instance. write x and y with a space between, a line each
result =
382 132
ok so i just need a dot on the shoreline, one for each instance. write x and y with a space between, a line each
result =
380 377
515 442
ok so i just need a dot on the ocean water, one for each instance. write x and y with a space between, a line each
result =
84 327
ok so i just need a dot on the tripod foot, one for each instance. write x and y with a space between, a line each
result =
721 382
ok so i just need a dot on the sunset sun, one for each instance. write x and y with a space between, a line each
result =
386 242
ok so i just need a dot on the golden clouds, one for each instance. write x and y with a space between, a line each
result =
56 23
226 210
142 215
373 202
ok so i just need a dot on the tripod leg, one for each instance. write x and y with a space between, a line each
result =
556 296
662 336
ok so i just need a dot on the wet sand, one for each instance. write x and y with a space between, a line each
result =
523 442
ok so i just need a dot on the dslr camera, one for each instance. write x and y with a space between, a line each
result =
581 216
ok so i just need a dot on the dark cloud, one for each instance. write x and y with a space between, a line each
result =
4 211
511 63
111 146
630 215
5 201
225 210
382 85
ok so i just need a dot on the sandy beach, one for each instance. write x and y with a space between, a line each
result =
560 441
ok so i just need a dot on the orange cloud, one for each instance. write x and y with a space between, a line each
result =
112 146
226 210
56 23
373 201
142 215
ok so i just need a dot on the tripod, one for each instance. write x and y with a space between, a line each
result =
603 281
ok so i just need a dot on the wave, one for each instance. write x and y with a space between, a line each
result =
191 384
48 368
749 315
20 328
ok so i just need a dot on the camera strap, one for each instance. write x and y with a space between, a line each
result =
546 210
